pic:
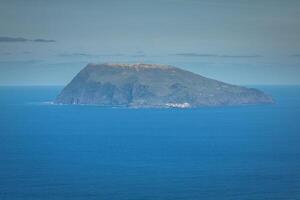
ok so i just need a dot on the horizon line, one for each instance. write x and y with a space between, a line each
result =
230 83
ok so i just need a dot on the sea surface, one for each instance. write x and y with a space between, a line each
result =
89 152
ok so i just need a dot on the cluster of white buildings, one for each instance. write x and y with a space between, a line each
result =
178 105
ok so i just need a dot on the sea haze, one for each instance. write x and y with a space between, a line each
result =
89 152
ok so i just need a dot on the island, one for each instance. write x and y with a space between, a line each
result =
153 86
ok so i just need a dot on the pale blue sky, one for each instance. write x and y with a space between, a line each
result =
237 41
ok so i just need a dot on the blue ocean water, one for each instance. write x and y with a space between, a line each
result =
89 152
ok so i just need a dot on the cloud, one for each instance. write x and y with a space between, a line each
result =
195 55
75 55
216 55
81 63
240 56
21 39
6 53
138 55
13 39
43 40
19 62
86 55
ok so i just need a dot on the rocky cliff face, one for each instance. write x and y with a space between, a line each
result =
149 85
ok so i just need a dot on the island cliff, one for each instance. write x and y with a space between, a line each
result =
153 85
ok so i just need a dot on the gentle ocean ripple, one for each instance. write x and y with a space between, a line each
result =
89 152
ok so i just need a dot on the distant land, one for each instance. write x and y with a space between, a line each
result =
153 85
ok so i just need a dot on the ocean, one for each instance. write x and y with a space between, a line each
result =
90 152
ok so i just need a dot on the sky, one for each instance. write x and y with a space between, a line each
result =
242 42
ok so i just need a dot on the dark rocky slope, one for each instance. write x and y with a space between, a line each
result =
150 85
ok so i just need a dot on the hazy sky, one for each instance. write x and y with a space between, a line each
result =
237 41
